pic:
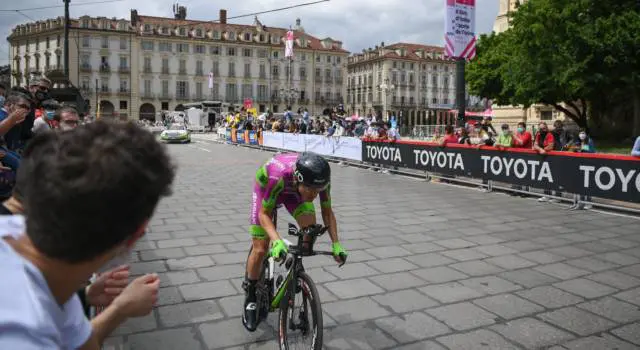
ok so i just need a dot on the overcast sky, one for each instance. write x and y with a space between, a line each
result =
357 23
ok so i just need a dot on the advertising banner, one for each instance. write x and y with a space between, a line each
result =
460 29
604 176
273 139
240 137
293 142
253 137
227 135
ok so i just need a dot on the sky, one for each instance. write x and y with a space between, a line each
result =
359 24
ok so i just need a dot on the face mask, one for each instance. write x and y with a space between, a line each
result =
50 114
582 136
65 127
485 137
41 95
506 131
520 130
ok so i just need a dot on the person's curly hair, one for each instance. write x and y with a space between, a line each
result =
87 190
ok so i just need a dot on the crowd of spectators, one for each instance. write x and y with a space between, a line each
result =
56 221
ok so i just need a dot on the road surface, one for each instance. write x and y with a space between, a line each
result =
431 266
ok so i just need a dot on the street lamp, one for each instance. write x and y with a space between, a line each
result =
289 95
387 89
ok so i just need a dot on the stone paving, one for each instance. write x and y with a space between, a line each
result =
431 266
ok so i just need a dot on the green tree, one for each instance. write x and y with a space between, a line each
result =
563 53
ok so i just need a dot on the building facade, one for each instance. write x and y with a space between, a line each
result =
413 82
137 67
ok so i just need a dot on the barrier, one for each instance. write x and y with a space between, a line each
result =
607 176
340 147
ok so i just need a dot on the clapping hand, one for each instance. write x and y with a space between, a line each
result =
139 297
108 286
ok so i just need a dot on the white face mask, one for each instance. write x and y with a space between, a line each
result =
582 136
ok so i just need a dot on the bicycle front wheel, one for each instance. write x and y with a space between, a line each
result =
300 326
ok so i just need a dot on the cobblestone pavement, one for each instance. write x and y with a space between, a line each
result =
431 266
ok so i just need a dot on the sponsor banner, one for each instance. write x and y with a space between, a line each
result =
612 177
293 142
227 135
253 137
341 147
273 139
240 137
348 147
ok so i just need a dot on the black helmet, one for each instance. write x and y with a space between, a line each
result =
312 170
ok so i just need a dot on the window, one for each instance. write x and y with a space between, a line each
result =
247 36
105 42
123 43
247 70
85 83
327 74
180 47
165 66
199 49
275 71
147 64
147 87
318 73
84 60
395 65
231 51
198 90
246 52
318 58
546 115
262 92
123 62
147 28
446 82
216 35
164 106
303 56
165 88
147 45
434 80
199 70
123 105
263 71
216 69
214 50
47 42
328 59
445 101
164 46
104 85
232 69
247 91
37 45
338 59
317 96
85 23
231 92
181 89
199 33
86 41
262 53
303 73
182 66
123 86
276 54
182 31
231 35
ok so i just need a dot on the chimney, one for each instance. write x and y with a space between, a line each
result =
382 44
223 16
297 22
134 17
182 12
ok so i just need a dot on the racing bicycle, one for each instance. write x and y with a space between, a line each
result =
282 292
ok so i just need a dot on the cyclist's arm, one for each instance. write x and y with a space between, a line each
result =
328 217
272 189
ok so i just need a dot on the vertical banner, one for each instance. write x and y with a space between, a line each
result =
288 49
210 80
460 29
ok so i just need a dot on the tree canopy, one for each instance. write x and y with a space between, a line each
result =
564 53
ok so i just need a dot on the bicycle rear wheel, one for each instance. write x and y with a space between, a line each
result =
304 322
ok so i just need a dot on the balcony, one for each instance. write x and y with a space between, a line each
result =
328 80
147 70
165 71
86 67
275 77
199 72
53 67
146 95
182 72
182 97
124 92
104 68
262 99
339 81
165 96
104 90
262 76
124 70
232 73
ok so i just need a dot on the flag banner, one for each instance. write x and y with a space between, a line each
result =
288 49
210 80
460 29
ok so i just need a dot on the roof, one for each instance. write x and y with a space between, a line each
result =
411 52
314 43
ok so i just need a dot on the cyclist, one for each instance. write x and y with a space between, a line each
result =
293 180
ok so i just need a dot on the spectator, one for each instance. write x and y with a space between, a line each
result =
505 139
449 136
12 115
544 142
636 148
522 137
561 138
71 232
464 138
393 135
584 145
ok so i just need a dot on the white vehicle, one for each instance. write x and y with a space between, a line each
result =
197 119
176 133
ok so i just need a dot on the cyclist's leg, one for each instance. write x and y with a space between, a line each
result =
303 212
